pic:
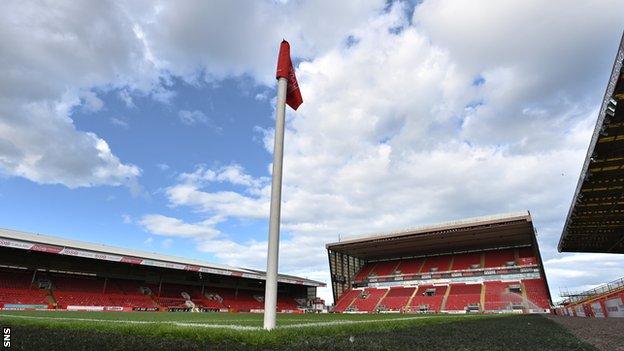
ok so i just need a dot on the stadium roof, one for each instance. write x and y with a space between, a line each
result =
55 245
595 221
504 230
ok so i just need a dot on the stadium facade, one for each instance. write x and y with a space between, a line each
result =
44 272
480 265
604 301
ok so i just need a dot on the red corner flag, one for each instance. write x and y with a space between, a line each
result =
285 70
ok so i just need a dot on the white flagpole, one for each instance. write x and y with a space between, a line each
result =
270 294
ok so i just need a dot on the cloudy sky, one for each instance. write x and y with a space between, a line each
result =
148 124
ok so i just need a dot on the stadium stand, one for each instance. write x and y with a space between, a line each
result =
410 266
397 298
68 291
286 303
444 263
467 261
213 301
463 296
177 295
384 268
368 299
246 300
488 264
502 296
525 252
42 272
436 264
346 300
428 298
365 272
71 290
499 258
15 288
536 292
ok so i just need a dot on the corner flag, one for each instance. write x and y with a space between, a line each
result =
287 92
285 70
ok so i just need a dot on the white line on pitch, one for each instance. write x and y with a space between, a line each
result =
340 322
181 324
76 319
214 326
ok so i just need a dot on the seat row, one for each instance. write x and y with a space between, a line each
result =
19 287
442 263
484 297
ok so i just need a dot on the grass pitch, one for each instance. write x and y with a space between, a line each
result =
33 330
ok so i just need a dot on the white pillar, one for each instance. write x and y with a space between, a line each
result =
270 294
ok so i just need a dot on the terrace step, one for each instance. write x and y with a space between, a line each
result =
446 295
383 297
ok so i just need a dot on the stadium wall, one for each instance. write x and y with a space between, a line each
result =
605 301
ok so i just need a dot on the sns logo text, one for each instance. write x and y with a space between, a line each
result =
6 339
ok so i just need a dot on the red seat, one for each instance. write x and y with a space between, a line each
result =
437 263
368 299
463 295
431 303
364 272
536 293
499 258
498 296
410 266
397 298
466 261
345 300
384 268
70 290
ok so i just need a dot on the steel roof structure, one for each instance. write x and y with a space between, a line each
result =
55 245
497 231
595 221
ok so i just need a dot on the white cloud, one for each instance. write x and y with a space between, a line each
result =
40 143
232 174
238 37
163 225
192 117
119 122
92 103
126 218
394 132
53 54
197 117
528 81
190 192
124 95
163 166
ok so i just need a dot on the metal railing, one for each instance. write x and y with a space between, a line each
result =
603 289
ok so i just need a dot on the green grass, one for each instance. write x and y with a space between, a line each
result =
194 331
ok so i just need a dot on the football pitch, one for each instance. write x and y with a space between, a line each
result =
32 330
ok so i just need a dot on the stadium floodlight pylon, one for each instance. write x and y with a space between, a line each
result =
287 93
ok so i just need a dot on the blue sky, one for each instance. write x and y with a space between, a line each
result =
148 125
151 135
